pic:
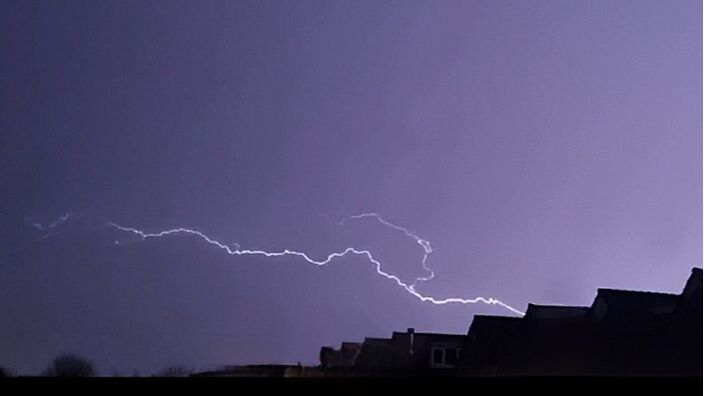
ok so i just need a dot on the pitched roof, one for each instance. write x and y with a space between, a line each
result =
397 334
693 282
620 302
635 294
535 311
492 323
375 341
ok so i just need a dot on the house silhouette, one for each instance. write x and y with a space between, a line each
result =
622 333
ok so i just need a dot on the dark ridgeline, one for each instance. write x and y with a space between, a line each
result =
623 333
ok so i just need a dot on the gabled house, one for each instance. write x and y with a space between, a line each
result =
623 332
492 343
416 352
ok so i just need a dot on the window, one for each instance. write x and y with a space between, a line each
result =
451 356
438 356
445 357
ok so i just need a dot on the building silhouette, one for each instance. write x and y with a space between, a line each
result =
622 333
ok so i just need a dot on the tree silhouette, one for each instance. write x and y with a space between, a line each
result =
174 371
70 365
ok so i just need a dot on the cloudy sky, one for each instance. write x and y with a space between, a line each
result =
543 148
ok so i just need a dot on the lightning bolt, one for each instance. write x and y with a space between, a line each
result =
410 288
49 227
237 251
57 222
425 244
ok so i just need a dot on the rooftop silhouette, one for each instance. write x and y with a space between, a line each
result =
622 333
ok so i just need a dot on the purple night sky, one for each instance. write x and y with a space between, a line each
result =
544 148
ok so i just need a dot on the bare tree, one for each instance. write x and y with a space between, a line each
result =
70 365
174 371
